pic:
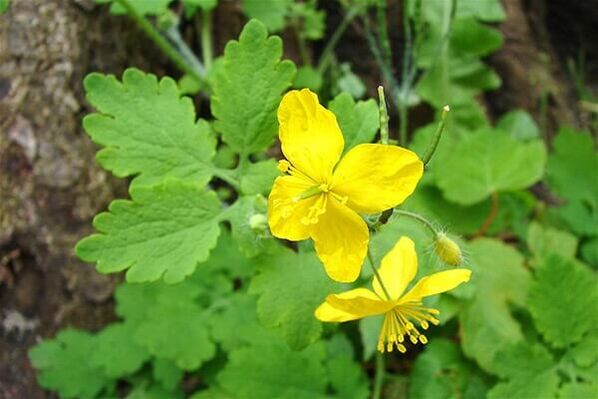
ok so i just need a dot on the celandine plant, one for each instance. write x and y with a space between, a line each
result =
243 272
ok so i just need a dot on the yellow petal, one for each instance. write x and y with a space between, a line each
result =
397 269
341 240
437 283
284 212
309 134
376 177
351 305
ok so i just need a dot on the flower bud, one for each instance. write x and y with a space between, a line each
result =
258 222
447 250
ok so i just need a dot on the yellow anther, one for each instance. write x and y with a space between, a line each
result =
284 165
413 339
401 348
424 324
324 188
423 339
389 347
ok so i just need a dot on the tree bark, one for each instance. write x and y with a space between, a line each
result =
50 186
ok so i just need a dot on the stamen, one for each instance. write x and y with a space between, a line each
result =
283 165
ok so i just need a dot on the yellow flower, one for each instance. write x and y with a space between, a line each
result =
400 310
320 197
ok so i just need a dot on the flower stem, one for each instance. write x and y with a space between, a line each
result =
327 53
160 41
436 139
206 39
383 111
491 215
379 376
422 220
373 267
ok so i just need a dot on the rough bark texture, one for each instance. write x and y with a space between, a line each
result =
50 186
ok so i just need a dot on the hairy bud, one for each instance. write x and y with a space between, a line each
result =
448 250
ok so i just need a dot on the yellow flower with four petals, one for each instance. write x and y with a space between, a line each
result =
321 198
401 310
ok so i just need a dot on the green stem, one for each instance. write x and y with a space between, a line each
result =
383 32
403 122
181 47
160 41
383 111
373 267
379 376
422 220
327 53
436 139
228 175
206 39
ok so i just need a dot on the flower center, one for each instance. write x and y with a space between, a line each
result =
397 325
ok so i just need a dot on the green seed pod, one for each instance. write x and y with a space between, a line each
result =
448 250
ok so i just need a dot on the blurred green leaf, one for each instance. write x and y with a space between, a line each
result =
345 375
359 121
147 129
589 251
115 351
529 371
571 173
309 77
63 365
369 329
585 352
441 372
248 87
499 279
4 4
164 232
487 10
270 13
270 369
577 390
167 373
468 36
562 300
487 162
519 124
259 177
291 286
192 345
544 241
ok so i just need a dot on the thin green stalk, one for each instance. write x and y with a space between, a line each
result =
181 47
228 175
405 78
379 376
327 53
383 32
373 267
436 139
403 122
383 111
423 221
160 41
206 39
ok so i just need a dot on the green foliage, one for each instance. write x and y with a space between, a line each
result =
359 121
529 371
544 241
507 164
290 286
247 89
571 174
147 128
63 365
499 279
4 4
162 233
441 372
212 297
563 300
